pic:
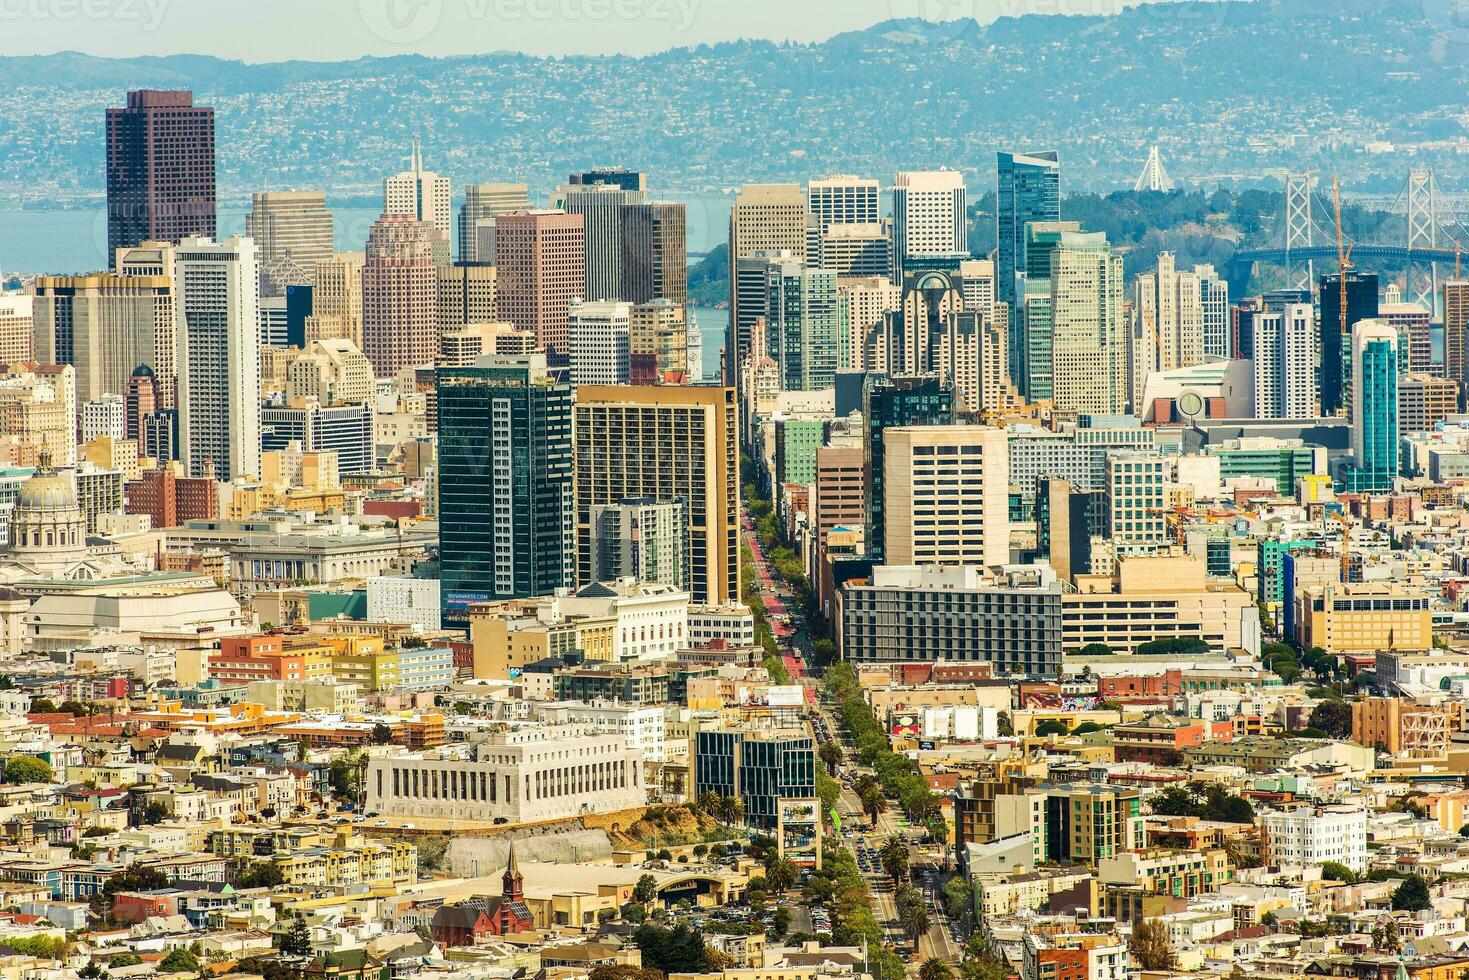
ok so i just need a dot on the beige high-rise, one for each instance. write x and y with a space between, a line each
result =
862 303
330 372
1088 326
542 268
466 295
421 194
336 299
105 325
658 342
1168 331
765 218
483 204
946 495
17 329
292 232
400 326
38 410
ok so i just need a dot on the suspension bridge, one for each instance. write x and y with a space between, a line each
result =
1430 235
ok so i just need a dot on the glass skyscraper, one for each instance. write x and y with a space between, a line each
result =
1029 190
1374 407
1334 345
888 403
507 513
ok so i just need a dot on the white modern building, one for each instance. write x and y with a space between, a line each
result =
929 216
599 336
541 773
1306 836
1136 493
733 623
1285 375
652 619
218 356
639 725
104 417
842 199
399 599
420 193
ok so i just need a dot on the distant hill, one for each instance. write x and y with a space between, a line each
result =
1228 90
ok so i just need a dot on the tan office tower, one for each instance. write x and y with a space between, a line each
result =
1168 332
969 352
483 203
1088 325
541 269
292 232
420 194
978 284
658 343
17 329
330 372
38 410
856 250
765 218
862 305
463 346
466 295
655 253
842 199
105 325
400 326
336 299
664 442
600 207
1456 332
1424 400
946 495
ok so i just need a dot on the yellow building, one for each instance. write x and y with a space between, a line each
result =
507 636
1402 727
1152 598
1165 871
350 862
370 670
1365 617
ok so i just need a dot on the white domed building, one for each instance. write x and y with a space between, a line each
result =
48 532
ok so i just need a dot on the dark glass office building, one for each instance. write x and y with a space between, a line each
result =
759 768
160 170
1335 345
888 403
507 513
1029 190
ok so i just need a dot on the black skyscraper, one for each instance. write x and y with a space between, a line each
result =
1361 305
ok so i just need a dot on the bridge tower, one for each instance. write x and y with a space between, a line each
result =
1300 273
1421 277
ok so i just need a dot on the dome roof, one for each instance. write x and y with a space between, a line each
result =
142 371
46 490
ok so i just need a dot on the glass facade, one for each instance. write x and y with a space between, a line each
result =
761 770
1375 420
888 403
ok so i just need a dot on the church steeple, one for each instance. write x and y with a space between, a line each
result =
514 885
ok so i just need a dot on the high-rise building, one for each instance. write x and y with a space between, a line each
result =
507 523
855 250
889 403
801 324
219 357
1029 190
292 232
330 372
1456 332
1214 299
423 195
968 352
620 177
160 169
667 442
141 399
38 412
658 337
1334 348
104 325
842 199
17 329
483 205
1136 496
1375 427
1285 377
1063 527
839 500
1424 400
600 207
655 253
599 341
540 270
466 294
1088 326
947 490
930 219
465 345
104 417
1413 323
765 218
400 326
862 305
1030 326
646 539
345 430
1169 329
336 299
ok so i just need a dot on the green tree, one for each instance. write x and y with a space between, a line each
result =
27 769
297 941
42 706
1096 650
1051 726
958 897
179 960
780 873
831 755
261 874
1412 895
935 969
1151 947
382 734
1336 871
894 859
677 950
645 890
1332 717
780 922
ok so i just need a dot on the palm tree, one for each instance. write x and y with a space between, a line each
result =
729 810
935 969
915 921
780 873
894 858
708 802
831 755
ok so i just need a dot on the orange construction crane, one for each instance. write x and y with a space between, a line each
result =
1344 261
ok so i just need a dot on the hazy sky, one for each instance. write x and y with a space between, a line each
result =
329 30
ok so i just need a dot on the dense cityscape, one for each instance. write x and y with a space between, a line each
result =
1020 584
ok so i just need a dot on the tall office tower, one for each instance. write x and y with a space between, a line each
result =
1030 326
1374 406
104 325
275 327
667 442
420 194
141 399
1214 300
856 250
541 269
336 299
842 199
507 519
629 180
1168 331
765 218
1413 322
17 329
466 294
968 352
462 346
947 490
1285 375
930 219
160 169
1242 328
400 324
907 335
219 357
655 253
840 488
483 205
801 325
977 283
343 431
1063 527
862 305
161 435
889 403
1333 349
1136 496
1456 333
646 539
1424 400
598 341
292 232
1088 326
1029 190
600 207
658 343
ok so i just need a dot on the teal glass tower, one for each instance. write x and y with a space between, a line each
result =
1374 406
